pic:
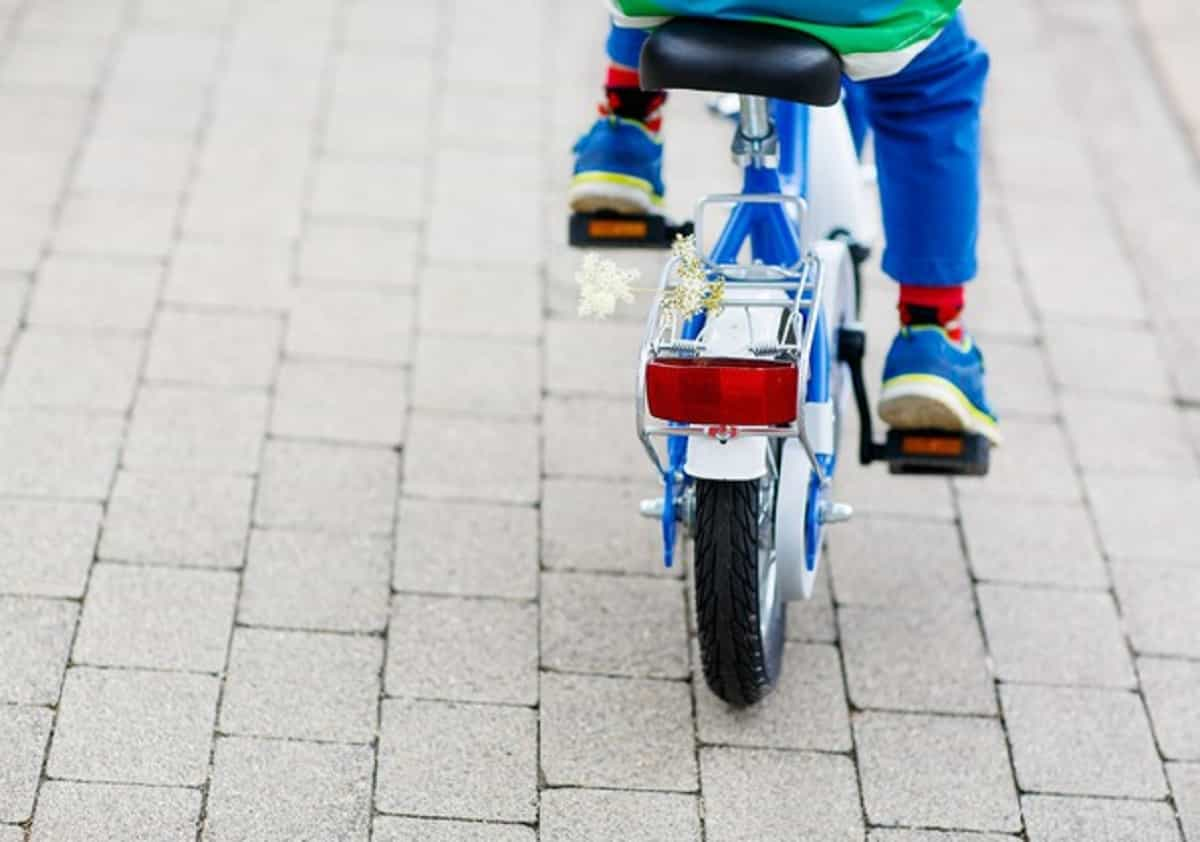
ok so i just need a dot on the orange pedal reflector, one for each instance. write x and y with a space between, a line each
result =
618 229
932 445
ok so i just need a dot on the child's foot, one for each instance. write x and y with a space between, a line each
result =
618 164
933 382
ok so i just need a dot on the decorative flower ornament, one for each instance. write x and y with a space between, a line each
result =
602 285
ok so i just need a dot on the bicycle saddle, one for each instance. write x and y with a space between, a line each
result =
705 54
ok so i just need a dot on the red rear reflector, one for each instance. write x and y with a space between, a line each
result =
618 229
932 446
715 390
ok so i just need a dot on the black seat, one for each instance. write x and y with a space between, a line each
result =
703 54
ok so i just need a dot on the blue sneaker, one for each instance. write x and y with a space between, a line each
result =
931 382
618 167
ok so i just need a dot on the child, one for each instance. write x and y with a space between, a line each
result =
920 78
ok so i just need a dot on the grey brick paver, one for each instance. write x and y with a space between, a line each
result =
1081 742
302 685
156 618
1147 518
1107 360
469 650
916 660
1034 464
1050 819
57 454
1055 637
47 546
73 371
23 732
595 525
332 487
616 733
278 791
134 727
73 292
889 561
1032 543
356 326
355 404
11 833
466 549
34 646
581 815
214 349
177 519
69 811
449 303
115 226
1155 600
471 459
753 795
196 429
458 761
1171 688
240 276
937 772
605 425
1185 786
613 625
1099 428
310 580
342 255
473 376
582 358
807 710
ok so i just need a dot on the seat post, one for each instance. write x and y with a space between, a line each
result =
754 119
755 142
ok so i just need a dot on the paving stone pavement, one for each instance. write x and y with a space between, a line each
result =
318 503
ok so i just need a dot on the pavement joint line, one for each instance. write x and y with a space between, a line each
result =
432 595
474 703
614 675
274 738
73 664
310 630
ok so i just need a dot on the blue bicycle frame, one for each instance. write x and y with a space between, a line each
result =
775 239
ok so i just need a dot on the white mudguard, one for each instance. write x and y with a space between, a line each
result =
736 459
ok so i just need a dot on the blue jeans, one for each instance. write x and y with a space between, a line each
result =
926 125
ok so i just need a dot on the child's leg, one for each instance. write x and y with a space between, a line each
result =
926 123
618 163
622 94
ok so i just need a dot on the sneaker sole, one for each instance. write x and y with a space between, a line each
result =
929 403
595 196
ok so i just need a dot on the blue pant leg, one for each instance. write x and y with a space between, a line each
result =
926 124
625 45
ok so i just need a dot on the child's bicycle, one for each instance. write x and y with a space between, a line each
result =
749 397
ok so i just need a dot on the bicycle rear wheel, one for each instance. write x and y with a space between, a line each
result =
740 613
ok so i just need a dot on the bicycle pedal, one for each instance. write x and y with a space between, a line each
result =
937 452
612 230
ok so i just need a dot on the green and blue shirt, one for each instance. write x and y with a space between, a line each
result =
874 37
